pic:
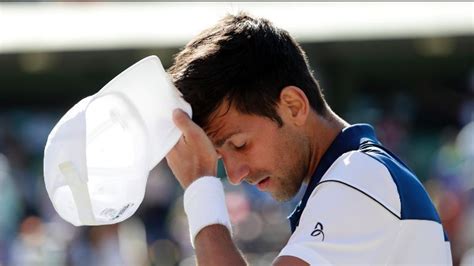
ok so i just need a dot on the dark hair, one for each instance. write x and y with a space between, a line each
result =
246 62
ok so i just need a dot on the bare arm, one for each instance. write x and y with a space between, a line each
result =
214 246
289 260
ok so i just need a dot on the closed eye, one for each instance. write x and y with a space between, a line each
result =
239 147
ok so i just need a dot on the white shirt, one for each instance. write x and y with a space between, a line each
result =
362 211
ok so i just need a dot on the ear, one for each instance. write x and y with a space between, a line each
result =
294 105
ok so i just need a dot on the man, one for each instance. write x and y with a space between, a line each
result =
258 107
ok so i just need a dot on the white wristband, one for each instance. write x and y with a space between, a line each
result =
204 204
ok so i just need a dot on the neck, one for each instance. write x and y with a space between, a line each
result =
322 132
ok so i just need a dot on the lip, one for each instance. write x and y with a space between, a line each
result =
262 184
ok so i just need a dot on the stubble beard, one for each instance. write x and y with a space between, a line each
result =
292 178
288 190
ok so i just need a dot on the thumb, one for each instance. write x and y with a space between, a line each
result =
183 122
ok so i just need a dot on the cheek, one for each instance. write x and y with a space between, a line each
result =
270 154
260 158
289 153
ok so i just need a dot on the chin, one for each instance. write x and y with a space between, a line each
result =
285 191
283 196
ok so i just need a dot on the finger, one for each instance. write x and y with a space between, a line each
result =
180 119
184 122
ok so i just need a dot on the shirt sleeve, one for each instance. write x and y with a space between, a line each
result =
342 225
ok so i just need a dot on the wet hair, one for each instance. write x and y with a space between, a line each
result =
245 62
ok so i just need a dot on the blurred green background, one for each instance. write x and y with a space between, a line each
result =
408 69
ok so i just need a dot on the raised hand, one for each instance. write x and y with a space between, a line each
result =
194 155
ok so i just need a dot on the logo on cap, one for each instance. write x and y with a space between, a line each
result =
112 214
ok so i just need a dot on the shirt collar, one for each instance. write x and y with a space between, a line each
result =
350 138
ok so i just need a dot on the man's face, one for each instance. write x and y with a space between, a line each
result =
255 149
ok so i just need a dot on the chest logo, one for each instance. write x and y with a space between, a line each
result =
318 230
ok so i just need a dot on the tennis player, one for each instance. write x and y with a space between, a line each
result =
257 106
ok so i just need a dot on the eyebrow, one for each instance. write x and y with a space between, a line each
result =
222 140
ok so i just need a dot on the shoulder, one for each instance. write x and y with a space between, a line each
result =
355 203
364 175
358 214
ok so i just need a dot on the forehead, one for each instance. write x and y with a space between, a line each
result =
226 121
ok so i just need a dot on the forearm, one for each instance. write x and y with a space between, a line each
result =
214 246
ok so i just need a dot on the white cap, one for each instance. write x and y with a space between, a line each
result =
98 156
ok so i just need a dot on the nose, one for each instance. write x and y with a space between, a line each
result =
236 169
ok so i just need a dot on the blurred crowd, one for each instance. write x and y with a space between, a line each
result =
31 233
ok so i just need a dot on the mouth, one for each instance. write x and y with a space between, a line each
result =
262 184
